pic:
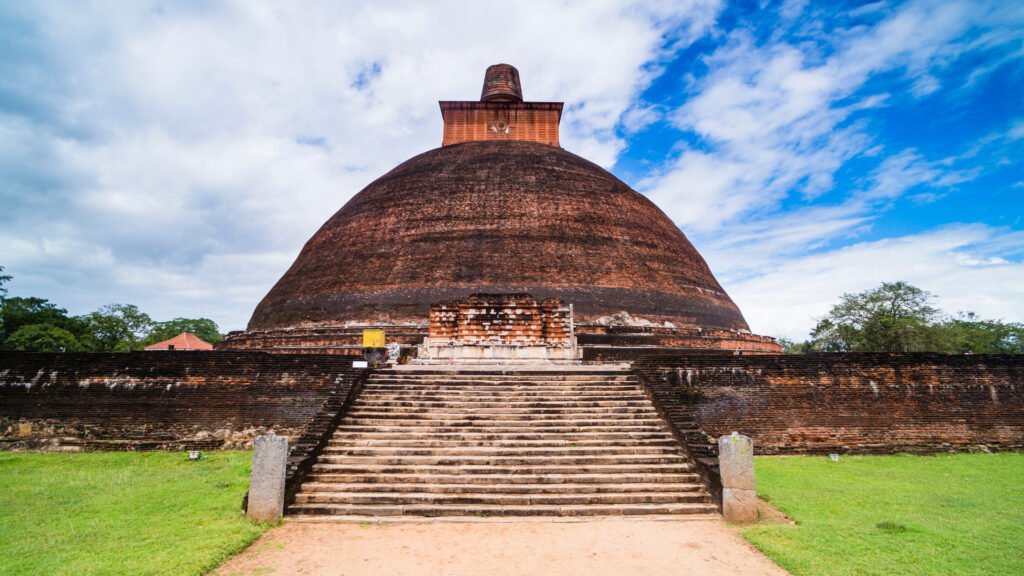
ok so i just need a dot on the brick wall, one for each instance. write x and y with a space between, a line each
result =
502 319
165 400
480 121
343 340
846 403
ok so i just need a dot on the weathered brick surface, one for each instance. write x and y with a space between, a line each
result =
501 113
848 403
499 208
343 340
496 217
499 121
167 400
627 343
501 84
502 319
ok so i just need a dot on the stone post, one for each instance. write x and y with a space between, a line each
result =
739 491
266 487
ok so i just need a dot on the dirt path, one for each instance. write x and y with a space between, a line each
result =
598 548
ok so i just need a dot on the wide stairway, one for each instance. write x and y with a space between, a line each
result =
479 442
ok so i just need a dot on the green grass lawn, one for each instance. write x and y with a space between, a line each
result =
951 514
121 513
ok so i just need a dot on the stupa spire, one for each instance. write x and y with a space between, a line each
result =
501 84
500 113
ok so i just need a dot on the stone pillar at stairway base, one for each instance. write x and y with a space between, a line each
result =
266 488
739 490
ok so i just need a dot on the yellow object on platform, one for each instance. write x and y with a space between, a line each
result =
373 338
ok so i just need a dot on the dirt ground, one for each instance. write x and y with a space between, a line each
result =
613 547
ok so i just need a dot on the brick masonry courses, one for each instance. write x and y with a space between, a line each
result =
500 208
502 319
167 400
842 403
599 343
789 404
496 217
850 403
846 403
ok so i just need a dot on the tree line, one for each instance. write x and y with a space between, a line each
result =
900 317
38 325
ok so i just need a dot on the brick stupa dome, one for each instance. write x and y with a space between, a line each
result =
495 217
499 208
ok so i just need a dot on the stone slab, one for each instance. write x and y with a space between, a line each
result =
266 488
736 460
739 505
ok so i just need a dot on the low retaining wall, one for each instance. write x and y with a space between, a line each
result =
168 400
846 403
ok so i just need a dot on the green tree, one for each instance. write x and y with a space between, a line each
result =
203 327
968 333
43 338
792 347
895 317
4 279
117 328
17 312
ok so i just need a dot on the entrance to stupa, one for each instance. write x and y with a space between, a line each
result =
500 329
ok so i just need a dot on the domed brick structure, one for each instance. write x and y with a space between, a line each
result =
499 208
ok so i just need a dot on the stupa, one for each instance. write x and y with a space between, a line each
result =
499 208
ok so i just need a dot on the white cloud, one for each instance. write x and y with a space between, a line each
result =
177 156
957 263
775 118
907 170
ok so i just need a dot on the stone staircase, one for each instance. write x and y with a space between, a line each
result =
478 442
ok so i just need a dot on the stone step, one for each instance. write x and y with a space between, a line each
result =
592 488
509 378
501 426
470 497
525 397
491 404
504 390
345 449
490 438
495 407
492 376
500 386
498 370
478 444
499 479
467 411
498 460
675 468
594 427
433 510
514 418
413 444
511 382
498 415
510 425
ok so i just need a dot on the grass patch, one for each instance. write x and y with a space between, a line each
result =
121 512
957 514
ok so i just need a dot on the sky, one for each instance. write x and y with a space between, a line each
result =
177 155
